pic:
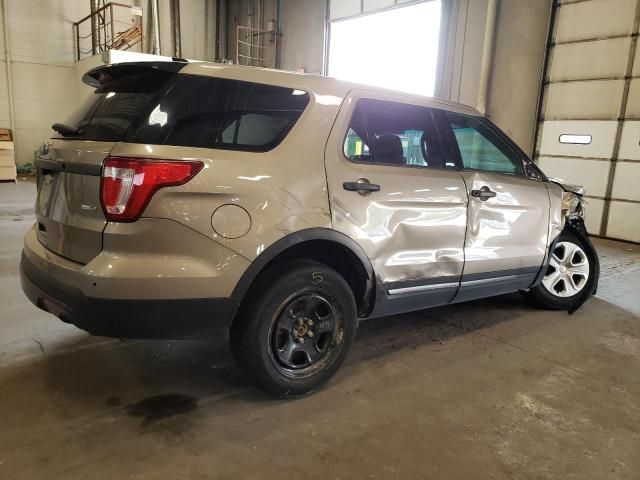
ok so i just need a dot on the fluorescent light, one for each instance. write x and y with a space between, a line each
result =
575 139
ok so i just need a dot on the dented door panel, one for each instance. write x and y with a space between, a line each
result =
413 228
509 231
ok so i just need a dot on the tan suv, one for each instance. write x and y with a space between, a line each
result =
185 200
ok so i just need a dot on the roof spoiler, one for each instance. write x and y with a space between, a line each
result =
99 76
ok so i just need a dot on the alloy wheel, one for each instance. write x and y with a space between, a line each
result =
568 270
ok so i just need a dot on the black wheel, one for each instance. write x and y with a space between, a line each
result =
294 335
569 276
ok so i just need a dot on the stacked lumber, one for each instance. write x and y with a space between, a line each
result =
128 38
7 156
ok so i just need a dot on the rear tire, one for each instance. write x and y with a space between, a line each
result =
296 327
569 274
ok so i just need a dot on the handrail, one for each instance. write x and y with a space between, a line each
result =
108 5
105 34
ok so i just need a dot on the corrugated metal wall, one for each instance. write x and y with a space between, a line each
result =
592 92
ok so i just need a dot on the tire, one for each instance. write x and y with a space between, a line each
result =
296 329
571 273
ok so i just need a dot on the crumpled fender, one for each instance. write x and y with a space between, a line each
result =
576 226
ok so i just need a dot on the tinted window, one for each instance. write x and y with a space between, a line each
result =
108 113
393 134
481 148
218 113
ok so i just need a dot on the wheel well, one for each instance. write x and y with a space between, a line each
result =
338 257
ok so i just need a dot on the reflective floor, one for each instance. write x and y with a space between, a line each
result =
489 389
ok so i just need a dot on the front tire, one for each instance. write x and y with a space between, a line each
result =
297 331
570 274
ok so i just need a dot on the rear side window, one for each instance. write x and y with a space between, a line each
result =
481 148
209 112
391 133
111 110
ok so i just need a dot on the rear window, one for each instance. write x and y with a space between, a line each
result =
110 112
219 113
190 110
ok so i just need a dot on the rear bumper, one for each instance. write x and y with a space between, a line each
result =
126 318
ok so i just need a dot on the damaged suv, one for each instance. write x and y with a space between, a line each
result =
190 200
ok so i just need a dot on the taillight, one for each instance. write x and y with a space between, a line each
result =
129 183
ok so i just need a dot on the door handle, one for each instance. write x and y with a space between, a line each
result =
485 193
362 186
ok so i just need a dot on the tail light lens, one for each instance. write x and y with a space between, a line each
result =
128 184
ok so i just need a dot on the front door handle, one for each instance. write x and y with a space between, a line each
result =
485 193
362 186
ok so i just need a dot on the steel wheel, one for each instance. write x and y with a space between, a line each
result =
568 270
304 335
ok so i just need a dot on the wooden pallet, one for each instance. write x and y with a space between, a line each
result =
7 157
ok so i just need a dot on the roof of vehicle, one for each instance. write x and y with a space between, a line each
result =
322 87
318 84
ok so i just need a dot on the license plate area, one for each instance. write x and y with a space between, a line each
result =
70 221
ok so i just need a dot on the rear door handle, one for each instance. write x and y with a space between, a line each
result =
362 186
483 194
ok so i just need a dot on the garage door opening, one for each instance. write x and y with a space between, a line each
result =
395 49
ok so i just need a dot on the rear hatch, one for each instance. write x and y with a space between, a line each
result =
70 220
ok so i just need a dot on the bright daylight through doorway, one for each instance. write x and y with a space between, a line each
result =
395 49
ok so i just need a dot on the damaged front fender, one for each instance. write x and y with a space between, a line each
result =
576 226
569 217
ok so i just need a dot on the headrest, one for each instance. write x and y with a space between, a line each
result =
388 149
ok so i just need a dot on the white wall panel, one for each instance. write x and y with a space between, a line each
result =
593 219
602 138
42 31
584 100
197 39
343 8
591 174
636 63
370 5
625 182
519 56
38 103
303 43
601 59
624 221
4 97
633 104
595 19
630 142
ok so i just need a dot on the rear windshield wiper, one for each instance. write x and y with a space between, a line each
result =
66 129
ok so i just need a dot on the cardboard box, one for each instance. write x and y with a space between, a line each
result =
8 173
5 135
7 160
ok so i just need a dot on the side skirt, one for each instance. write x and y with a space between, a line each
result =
482 285
408 296
400 297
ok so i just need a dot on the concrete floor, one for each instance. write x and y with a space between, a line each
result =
489 389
